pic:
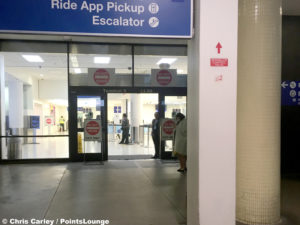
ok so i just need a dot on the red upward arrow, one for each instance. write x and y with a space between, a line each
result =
219 46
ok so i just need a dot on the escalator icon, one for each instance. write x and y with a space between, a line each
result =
153 22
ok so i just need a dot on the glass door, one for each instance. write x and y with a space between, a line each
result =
86 107
172 106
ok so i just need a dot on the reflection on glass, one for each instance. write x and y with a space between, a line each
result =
174 105
88 107
85 60
36 94
35 148
87 146
35 99
147 59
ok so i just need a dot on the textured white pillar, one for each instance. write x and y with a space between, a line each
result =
258 124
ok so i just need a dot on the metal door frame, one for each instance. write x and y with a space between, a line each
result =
102 92
73 129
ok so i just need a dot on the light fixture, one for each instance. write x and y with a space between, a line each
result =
77 70
166 60
101 60
74 61
180 71
41 75
33 58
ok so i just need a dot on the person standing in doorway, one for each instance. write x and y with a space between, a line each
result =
62 124
180 140
125 129
155 134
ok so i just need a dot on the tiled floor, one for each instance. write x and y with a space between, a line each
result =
140 192
145 192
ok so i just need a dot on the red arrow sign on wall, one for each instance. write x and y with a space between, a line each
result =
219 46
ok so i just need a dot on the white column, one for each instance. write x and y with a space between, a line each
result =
136 110
16 114
212 114
258 124
2 94
136 116
2 106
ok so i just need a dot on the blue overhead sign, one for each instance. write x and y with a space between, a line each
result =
143 18
290 93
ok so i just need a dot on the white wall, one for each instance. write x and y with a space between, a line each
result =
53 89
212 115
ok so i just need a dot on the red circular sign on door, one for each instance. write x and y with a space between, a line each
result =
101 76
169 126
48 121
92 128
164 77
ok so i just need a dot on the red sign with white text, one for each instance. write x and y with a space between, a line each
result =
164 77
218 62
167 129
101 76
92 128
48 121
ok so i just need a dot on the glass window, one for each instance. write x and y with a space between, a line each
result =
34 90
100 65
160 66
174 105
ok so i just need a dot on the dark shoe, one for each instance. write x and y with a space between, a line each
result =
181 170
185 169
121 143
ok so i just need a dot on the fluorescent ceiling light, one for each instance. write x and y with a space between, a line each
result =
33 58
77 70
101 60
166 60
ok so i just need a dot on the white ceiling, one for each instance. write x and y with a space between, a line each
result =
291 7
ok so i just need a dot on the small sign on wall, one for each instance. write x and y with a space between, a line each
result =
92 130
290 93
101 76
117 109
167 129
49 121
35 122
163 77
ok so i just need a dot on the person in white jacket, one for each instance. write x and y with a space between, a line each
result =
180 141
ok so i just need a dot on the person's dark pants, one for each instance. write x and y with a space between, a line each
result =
62 127
155 138
125 136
